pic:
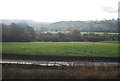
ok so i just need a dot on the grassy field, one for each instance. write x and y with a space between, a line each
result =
54 32
62 48
97 33
111 41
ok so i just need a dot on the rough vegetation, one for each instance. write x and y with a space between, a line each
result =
12 71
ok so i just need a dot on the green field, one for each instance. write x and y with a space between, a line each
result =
100 33
62 48
110 41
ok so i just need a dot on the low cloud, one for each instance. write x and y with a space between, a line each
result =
110 9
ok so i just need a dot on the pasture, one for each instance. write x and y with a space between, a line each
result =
99 33
62 48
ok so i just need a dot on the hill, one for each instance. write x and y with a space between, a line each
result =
85 26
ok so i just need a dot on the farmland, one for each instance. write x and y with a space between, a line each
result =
62 48
99 33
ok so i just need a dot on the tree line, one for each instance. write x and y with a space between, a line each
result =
18 33
25 33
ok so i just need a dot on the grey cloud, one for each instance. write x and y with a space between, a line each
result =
110 9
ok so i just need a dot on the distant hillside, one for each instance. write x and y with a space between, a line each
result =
85 26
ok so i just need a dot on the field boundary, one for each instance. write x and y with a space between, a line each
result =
59 58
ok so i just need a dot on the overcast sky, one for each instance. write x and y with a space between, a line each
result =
59 10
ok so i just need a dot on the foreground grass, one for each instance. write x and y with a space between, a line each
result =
62 48
76 72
